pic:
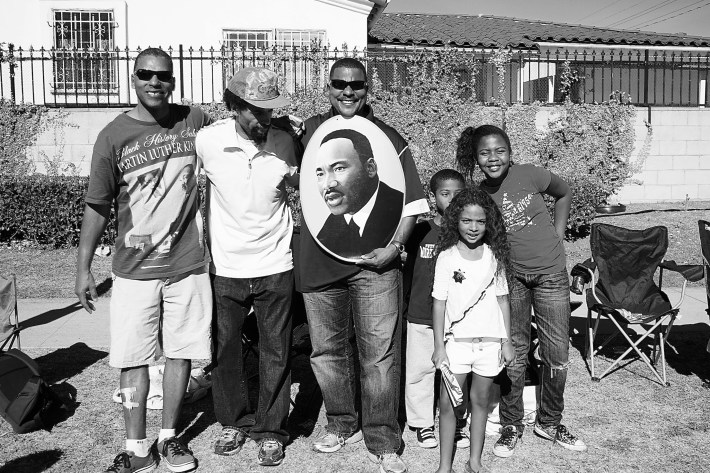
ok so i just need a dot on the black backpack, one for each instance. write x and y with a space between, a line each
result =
26 402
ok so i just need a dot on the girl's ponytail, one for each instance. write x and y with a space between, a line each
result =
466 151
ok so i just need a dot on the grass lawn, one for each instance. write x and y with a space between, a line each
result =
46 272
629 421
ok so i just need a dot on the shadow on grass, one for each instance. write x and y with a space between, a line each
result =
33 463
685 352
63 364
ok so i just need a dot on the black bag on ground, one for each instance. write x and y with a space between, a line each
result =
26 402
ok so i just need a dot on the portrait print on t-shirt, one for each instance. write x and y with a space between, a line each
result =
162 189
352 187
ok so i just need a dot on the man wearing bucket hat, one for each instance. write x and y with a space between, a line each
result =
248 164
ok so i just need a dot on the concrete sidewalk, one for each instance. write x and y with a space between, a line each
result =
60 323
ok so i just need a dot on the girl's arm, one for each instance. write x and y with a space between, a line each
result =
439 356
507 350
560 190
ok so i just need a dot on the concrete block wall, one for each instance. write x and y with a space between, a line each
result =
677 165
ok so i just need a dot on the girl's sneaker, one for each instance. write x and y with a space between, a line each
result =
561 436
462 435
426 438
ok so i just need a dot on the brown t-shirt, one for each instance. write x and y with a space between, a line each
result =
535 246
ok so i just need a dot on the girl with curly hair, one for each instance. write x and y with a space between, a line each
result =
471 314
538 279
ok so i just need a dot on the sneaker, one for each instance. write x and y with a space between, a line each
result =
271 452
331 442
230 442
426 438
389 462
129 462
505 445
462 437
561 436
176 456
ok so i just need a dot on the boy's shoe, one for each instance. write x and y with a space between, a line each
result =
462 437
177 457
426 438
561 436
230 442
129 462
331 442
271 452
505 445
389 462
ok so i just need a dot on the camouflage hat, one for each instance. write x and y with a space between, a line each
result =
258 87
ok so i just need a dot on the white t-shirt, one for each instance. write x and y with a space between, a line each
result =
456 280
248 220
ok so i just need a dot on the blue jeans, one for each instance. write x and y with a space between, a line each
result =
368 303
548 295
271 298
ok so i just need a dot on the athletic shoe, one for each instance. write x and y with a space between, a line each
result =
177 457
505 445
230 442
129 462
389 462
426 438
331 442
561 436
271 452
462 435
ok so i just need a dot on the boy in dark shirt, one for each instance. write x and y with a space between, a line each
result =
418 280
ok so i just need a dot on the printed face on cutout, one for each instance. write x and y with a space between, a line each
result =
493 156
344 181
472 224
153 94
347 102
446 191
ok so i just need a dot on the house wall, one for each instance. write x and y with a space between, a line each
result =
143 23
678 164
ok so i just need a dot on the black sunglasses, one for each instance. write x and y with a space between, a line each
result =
147 74
343 84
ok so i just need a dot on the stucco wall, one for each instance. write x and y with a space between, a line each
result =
678 164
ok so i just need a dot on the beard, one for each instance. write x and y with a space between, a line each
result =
258 133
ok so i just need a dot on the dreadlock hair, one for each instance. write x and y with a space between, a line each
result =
495 235
467 146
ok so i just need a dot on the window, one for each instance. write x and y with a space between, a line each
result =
84 49
262 39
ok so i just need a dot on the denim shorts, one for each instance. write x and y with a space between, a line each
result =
478 355
183 326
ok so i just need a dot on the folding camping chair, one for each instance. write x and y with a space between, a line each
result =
625 293
704 229
9 325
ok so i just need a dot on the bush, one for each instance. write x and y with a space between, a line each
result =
45 209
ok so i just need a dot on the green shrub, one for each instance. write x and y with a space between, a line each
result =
45 209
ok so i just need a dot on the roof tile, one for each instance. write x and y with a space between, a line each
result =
494 31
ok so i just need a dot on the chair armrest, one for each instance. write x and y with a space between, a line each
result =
582 274
691 272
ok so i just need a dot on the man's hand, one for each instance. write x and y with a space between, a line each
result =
379 258
85 289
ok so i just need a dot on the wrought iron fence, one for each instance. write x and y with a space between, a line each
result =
101 78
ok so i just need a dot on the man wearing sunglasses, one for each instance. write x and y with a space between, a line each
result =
248 164
366 296
161 285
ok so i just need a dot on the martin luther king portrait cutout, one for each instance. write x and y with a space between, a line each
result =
352 187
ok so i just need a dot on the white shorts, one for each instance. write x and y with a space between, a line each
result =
177 309
479 355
